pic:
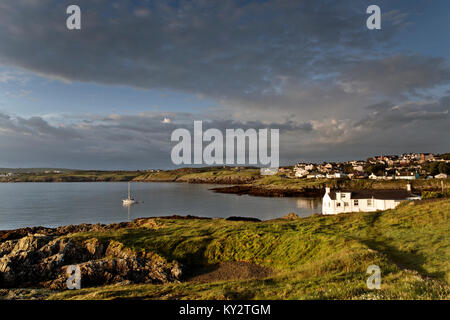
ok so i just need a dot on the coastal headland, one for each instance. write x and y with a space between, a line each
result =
240 181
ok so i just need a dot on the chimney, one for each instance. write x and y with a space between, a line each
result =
408 187
327 189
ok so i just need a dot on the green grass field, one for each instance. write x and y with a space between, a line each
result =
319 257
205 175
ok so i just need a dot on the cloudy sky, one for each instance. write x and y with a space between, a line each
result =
97 97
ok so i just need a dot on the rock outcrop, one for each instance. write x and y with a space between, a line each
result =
41 260
69 229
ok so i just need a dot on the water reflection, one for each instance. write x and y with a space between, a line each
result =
309 203
128 209
56 204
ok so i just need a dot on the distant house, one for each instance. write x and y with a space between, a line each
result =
299 172
338 201
411 177
440 176
9 174
268 171
426 157
315 176
336 175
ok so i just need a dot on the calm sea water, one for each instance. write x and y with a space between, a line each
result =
57 204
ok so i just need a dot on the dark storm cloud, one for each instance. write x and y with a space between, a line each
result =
395 75
288 55
308 68
386 114
34 126
219 48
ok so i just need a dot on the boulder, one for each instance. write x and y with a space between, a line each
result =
290 216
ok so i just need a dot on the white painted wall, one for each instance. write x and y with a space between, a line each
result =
344 203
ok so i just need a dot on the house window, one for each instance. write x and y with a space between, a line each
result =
355 203
338 204
369 202
345 204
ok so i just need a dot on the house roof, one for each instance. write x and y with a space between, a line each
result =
376 194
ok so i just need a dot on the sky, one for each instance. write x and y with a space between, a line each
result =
96 98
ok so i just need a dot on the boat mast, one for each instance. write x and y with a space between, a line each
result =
129 197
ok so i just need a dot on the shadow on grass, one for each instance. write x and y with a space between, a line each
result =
404 259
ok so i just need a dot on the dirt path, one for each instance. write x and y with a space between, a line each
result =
232 270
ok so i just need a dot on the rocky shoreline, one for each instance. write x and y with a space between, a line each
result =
39 257
270 192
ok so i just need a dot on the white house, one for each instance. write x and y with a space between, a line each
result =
9 174
405 177
336 175
315 176
338 201
299 172
441 176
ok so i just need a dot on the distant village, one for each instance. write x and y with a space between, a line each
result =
408 166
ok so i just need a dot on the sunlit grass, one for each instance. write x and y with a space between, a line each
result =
319 257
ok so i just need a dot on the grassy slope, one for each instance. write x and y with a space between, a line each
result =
210 174
315 257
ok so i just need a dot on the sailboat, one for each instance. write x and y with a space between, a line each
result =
129 200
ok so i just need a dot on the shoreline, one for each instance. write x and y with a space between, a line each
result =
258 191
239 181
